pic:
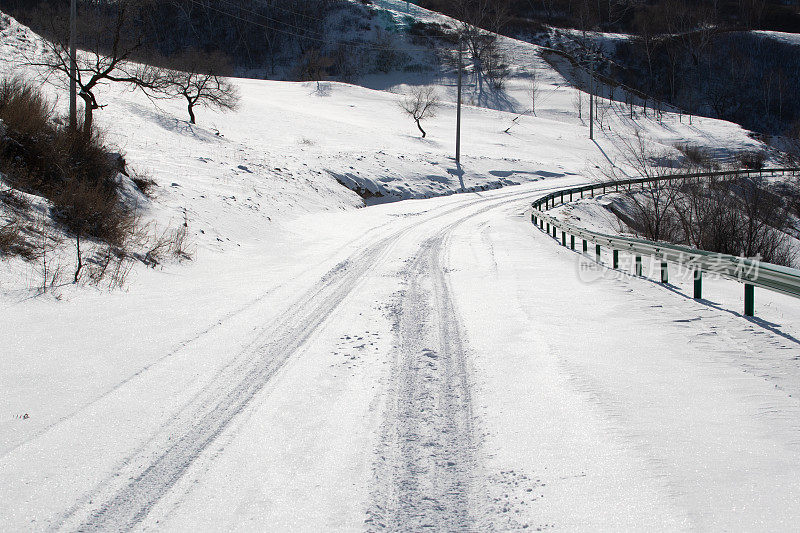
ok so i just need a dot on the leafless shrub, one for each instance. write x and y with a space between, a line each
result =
50 269
753 160
496 70
14 201
650 209
696 157
14 243
348 62
90 210
601 112
482 21
110 265
168 243
144 183
23 109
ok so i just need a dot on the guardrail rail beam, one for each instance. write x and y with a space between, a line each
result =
765 275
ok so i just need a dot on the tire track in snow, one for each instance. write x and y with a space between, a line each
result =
427 472
125 499
178 347
210 412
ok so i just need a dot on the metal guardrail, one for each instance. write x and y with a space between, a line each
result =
751 272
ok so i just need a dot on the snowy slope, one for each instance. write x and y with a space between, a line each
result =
289 146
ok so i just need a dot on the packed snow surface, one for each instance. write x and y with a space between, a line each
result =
431 363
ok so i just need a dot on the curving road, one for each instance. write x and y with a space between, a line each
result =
440 366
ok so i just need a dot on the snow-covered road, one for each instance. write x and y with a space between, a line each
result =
427 364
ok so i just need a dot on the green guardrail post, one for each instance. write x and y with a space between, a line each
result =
562 197
698 284
570 196
554 232
548 228
585 246
616 259
597 252
563 238
541 224
638 267
664 272
749 300
572 242
533 219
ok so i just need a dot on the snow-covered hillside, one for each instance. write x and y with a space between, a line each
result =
238 177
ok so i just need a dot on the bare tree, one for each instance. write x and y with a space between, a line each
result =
107 45
313 66
535 86
647 37
751 12
577 102
651 206
201 83
601 111
481 21
422 103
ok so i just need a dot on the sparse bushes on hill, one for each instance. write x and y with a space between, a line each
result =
731 215
72 170
696 157
13 242
735 216
79 178
753 160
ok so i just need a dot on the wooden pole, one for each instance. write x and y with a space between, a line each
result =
458 106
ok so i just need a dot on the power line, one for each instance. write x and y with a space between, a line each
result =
351 44
286 10
256 13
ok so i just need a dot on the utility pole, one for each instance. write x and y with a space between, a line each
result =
458 108
591 101
73 67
